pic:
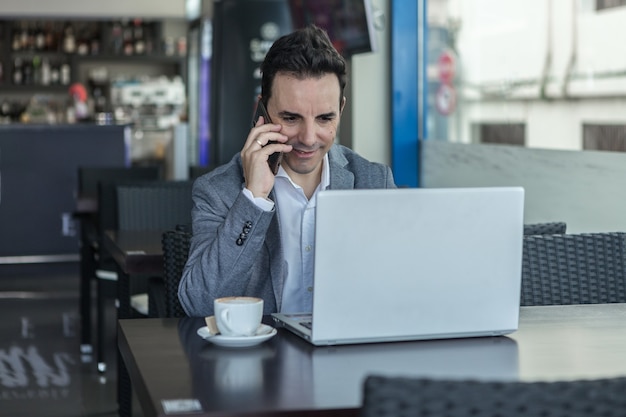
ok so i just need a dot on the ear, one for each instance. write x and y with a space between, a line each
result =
343 104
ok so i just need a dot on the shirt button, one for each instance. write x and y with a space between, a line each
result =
307 248
310 289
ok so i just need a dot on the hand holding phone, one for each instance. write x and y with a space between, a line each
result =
274 159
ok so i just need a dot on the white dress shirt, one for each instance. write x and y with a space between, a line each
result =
296 216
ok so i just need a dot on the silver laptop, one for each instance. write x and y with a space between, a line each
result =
413 264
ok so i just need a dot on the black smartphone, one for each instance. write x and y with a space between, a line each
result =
274 159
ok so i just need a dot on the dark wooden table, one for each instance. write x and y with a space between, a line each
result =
137 253
169 365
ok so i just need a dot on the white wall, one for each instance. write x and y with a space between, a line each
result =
509 50
371 129
503 43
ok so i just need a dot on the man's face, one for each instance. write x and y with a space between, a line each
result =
309 111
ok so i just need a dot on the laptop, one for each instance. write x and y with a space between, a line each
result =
414 264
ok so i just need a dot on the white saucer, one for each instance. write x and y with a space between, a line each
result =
263 333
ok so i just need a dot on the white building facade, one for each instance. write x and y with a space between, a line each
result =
539 73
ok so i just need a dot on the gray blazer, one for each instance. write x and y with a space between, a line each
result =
236 247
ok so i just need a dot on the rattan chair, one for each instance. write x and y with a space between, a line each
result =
552 228
163 293
157 205
414 397
574 269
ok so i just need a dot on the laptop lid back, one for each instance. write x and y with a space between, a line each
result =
410 264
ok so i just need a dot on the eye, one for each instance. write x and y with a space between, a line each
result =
288 118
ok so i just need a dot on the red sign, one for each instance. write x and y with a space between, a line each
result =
447 67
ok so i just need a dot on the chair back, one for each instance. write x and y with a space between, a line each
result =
90 176
196 171
403 397
573 269
175 253
97 182
153 205
551 228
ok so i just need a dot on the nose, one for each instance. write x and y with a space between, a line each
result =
308 134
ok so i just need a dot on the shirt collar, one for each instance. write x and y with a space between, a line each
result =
324 182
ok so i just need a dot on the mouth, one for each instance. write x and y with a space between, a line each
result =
300 153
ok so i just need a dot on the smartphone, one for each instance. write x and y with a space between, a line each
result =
275 158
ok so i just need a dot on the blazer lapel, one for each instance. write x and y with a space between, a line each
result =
340 177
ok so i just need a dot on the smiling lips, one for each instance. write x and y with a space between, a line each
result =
303 154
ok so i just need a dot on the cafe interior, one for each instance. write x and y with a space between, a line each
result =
109 111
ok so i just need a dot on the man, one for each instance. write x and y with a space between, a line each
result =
253 231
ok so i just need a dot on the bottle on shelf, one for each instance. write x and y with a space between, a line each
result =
94 46
50 42
40 39
18 75
45 72
27 71
117 42
69 40
65 74
36 75
16 41
138 37
31 37
127 37
148 34
23 37
55 74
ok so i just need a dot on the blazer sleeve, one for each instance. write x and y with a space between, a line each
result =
228 236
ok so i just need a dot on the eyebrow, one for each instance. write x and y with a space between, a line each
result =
331 114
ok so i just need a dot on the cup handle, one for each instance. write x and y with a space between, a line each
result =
225 321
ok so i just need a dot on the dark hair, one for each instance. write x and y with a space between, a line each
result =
307 52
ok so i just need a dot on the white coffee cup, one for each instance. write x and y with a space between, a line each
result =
238 316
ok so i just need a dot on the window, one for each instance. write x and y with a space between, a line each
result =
607 4
604 137
509 134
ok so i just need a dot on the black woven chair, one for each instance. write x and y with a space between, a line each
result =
163 293
404 397
155 205
552 228
574 269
